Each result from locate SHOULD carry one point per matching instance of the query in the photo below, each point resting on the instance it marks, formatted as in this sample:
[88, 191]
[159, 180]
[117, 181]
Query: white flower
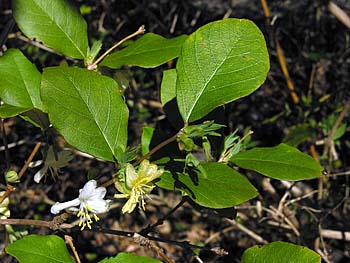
[52, 164]
[137, 185]
[90, 202]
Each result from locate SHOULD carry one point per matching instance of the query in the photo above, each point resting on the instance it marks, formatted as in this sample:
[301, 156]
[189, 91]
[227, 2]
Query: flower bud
[4, 210]
[11, 177]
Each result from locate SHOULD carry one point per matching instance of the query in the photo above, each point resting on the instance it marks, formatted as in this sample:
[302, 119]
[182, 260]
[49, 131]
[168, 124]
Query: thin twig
[183, 244]
[339, 14]
[249, 232]
[283, 64]
[160, 221]
[37, 44]
[265, 9]
[300, 198]
[144, 241]
[311, 83]
[286, 219]
[9, 190]
[140, 31]
[334, 234]
[69, 241]
[335, 127]
[158, 147]
[31, 156]
[7, 153]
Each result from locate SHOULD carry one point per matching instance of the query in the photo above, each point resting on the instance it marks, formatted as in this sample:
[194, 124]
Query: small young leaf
[87, 109]
[281, 252]
[282, 162]
[20, 81]
[147, 134]
[219, 187]
[149, 51]
[43, 249]
[93, 52]
[340, 131]
[220, 62]
[168, 86]
[56, 23]
[129, 258]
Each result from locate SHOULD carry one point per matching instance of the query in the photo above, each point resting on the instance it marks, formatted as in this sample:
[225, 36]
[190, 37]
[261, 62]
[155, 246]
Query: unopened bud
[12, 177]
[4, 210]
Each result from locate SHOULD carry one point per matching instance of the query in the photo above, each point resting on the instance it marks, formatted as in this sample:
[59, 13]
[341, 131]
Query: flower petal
[131, 175]
[99, 206]
[58, 207]
[88, 190]
[40, 174]
[100, 192]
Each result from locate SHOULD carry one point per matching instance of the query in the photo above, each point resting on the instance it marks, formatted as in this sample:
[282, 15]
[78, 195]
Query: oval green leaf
[148, 51]
[87, 109]
[20, 82]
[281, 252]
[220, 62]
[56, 23]
[219, 187]
[168, 86]
[282, 162]
[43, 249]
[129, 258]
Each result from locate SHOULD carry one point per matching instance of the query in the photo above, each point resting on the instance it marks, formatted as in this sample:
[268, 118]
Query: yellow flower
[137, 185]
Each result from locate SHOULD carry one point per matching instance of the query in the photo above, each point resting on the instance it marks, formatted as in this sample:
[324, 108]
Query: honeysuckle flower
[137, 185]
[51, 164]
[90, 202]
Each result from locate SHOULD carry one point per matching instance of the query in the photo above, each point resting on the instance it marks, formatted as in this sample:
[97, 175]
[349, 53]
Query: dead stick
[69, 241]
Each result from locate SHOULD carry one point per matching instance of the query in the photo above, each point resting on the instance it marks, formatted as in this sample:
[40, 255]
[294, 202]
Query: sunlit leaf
[282, 162]
[220, 62]
[148, 51]
[87, 109]
[281, 252]
[43, 249]
[56, 23]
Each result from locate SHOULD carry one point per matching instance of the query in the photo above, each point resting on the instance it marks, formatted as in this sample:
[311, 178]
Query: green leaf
[297, 135]
[281, 162]
[37, 118]
[148, 51]
[129, 258]
[281, 252]
[87, 109]
[20, 81]
[219, 63]
[168, 86]
[219, 187]
[340, 131]
[147, 134]
[56, 23]
[43, 249]
[7, 111]
[93, 52]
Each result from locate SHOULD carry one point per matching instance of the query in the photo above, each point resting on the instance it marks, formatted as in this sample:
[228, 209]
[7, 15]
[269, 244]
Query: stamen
[96, 217]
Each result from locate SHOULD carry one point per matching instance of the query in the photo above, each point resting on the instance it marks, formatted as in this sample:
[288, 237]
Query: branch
[158, 147]
[160, 221]
[140, 31]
